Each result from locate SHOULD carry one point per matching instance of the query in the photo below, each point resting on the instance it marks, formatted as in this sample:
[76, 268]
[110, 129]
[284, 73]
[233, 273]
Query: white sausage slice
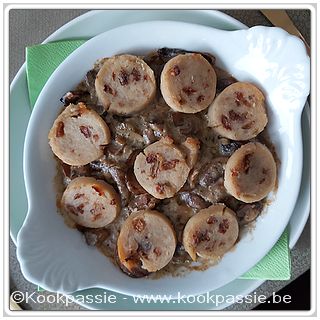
[162, 169]
[188, 83]
[91, 203]
[78, 135]
[125, 84]
[239, 112]
[250, 172]
[146, 240]
[211, 232]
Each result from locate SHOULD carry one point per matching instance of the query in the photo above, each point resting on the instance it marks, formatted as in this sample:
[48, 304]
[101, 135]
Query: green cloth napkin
[276, 265]
[43, 59]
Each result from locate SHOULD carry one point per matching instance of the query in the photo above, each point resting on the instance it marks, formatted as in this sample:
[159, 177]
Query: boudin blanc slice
[250, 172]
[91, 203]
[78, 135]
[211, 232]
[188, 83]
[238, 112]
[125, 84]
[162, 168]
[146, 241]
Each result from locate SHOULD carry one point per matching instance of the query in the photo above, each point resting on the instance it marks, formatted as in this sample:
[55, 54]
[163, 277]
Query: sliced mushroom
[191, 147]
[187, 124]
[239, 112]
[108, 170]
[211, 232]
[78, 135]
[161, 169]
[214, 193]
[224, 79]
[249, 212]
[142, 202]
[91, 203]
[227, 147]
[95, 237]
[212, 171]
[125, 84]
[188, 83]
[208, 182]
[141, 243]
[135, 270]
[193, 200]
[132, 184]
[164, 54]
[250, 172]
[74, 97]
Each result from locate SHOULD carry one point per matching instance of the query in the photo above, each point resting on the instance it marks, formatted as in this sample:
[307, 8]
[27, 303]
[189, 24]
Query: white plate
[259, 55]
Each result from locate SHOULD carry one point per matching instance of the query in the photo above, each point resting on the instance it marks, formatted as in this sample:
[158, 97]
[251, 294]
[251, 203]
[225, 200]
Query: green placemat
[276, 265]
[42, 60]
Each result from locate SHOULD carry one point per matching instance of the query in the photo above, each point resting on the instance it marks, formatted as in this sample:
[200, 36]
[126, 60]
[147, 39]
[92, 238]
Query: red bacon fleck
[226, 122]
[234, 173]
[60, 129]
[78, 196]
[240, 99]
[235, 116]
[212, 220]
[189, 91]
[160, 188]
[123, 77]
[136, 74]
[98, 190]
[151, 158]
[75, 210]
[157, 251]
[200, 98]
[85, 131]
[139, 224]
[168, 165]
[200, 236]
[246, 162]
[175, 71]
[108, 89]
[223, 226]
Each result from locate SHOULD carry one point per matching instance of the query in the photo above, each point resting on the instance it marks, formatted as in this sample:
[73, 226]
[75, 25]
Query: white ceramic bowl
[57, 258]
